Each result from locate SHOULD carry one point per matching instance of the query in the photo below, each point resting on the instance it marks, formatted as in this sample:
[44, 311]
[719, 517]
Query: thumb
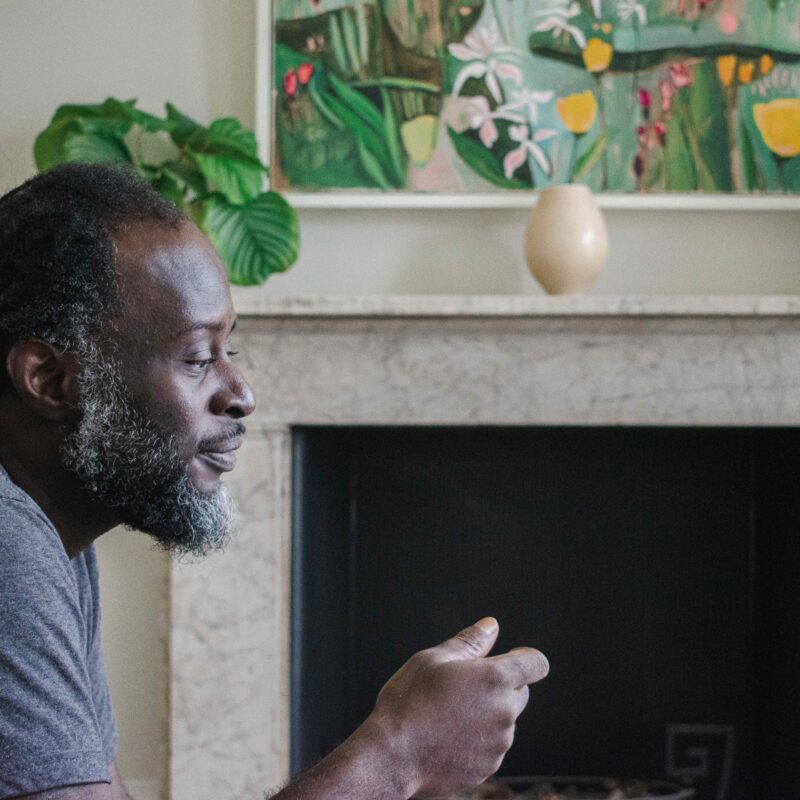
[473, 642]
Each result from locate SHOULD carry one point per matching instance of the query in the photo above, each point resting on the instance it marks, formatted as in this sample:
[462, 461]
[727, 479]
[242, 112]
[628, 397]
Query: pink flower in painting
[304, 73]
[645, 98]
[290, 83]
[667, 91]
[527, 146]
[481, 118]
[530, 100]
[680, 75]
[728, 22]
[661, 131]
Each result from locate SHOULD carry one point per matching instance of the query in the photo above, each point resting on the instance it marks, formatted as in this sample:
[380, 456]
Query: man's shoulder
[28, 541]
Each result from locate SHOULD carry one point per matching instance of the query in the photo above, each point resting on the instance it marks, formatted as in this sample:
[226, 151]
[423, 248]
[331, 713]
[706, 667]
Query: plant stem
[601, 107]
[573, 157]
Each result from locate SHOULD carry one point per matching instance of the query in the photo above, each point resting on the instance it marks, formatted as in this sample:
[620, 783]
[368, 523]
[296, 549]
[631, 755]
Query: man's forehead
[172, 279]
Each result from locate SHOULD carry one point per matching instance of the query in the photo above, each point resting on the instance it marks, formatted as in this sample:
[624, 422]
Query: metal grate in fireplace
[657, 568]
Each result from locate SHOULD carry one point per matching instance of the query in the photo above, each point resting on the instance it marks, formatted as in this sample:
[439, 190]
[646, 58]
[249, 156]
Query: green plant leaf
[48, 149]
[357, 103]
[107, 117]
[372, 166]
[91, 148]
[254, 240]
[228, 133]
[587, 161]
[482, 162]
[318, 99]
[226, 154]
[92, 132]
[188, 173]
[168, 187]
[371, 140]
[238, 180]
[392, 133]
[126, 109]
[183, 127]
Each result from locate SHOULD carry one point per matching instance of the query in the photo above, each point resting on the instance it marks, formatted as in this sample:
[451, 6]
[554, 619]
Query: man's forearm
[368, 766]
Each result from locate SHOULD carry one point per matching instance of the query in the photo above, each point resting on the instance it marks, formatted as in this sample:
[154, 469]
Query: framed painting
[667, 103]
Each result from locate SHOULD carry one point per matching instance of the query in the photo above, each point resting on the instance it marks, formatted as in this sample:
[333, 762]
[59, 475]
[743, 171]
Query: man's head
[115, 318]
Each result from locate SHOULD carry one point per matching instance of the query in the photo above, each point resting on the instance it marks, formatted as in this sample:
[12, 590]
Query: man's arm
[118, 790]
[442, 723]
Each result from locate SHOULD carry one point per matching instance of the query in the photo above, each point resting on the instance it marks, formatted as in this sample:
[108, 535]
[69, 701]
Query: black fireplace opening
[658, 569]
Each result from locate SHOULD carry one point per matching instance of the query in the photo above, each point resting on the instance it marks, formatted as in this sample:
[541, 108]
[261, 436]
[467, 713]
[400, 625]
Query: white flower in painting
[628, 8]
[527, 146]
[597, 8]
[489, 59]
[558, 23]
[481, 118]
[529, 100]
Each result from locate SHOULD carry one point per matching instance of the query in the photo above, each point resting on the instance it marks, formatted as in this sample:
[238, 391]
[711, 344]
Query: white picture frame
[372, 199]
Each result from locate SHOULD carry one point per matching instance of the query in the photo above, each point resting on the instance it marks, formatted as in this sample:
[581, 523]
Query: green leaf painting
[628, 96]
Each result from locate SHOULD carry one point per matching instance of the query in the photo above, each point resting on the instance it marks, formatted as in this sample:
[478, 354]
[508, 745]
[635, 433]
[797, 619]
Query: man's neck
[75, 515]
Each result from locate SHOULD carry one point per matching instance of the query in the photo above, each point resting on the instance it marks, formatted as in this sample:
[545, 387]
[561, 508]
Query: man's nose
[235, 398]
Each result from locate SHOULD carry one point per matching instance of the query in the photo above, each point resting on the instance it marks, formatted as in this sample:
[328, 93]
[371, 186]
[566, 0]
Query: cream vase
[566, 242]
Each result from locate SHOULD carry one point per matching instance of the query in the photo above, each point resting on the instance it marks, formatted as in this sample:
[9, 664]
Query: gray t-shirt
[56, 723]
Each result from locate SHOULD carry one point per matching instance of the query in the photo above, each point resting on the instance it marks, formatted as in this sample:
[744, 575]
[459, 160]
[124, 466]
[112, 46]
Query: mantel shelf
[256, 303]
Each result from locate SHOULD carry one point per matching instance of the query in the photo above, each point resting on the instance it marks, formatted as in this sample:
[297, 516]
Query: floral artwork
[472, 96]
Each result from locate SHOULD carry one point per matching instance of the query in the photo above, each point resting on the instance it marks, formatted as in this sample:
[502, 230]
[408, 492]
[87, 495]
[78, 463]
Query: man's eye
[200, 363]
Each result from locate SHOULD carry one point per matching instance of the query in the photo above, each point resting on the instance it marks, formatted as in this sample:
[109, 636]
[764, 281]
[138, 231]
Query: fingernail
[488, 625]
[546, 664]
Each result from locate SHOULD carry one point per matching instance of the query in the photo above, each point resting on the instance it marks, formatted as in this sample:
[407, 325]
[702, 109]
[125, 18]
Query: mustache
[236, 432]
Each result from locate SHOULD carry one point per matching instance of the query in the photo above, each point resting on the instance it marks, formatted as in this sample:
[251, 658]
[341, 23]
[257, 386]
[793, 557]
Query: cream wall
[200, 55]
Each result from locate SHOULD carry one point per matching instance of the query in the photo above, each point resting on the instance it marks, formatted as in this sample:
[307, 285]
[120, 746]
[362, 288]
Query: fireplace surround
[524, 363]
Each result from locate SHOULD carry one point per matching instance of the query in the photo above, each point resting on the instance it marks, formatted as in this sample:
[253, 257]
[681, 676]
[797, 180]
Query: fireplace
[614, 479]
[657, 568]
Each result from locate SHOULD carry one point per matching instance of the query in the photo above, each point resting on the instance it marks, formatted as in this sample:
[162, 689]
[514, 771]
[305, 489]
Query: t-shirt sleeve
[49, 731]
[104, 712]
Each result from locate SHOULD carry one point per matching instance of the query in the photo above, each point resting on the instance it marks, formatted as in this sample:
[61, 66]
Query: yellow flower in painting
[779, 124]
[726, 68]
[578, 111]
[419, 138]
[745, 72]
[766, 63]
[597, 55]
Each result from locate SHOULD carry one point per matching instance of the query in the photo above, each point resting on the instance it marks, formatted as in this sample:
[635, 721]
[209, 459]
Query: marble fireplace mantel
[491, 360]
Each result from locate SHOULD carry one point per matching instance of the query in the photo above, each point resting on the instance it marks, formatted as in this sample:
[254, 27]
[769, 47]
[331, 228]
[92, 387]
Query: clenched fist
[451, 712]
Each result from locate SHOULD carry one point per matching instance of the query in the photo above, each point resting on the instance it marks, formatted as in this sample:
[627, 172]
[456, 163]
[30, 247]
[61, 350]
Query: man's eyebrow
[205, 326]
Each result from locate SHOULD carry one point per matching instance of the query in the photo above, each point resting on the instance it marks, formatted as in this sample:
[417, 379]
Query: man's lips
[222, 457]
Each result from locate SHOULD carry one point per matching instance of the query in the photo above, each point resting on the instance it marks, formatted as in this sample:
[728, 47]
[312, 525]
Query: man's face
[161, 398]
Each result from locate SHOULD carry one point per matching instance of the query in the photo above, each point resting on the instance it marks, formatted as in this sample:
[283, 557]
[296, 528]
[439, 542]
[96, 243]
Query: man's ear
[44, 377]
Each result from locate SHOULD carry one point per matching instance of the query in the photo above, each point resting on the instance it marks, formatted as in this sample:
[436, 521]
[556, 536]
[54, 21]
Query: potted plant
[212, 173]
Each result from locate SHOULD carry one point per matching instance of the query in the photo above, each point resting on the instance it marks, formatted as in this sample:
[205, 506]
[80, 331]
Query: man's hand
[442, 723]
[450, 712]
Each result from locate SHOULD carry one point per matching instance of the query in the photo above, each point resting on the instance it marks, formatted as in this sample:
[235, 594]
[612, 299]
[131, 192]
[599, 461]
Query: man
[121, 403]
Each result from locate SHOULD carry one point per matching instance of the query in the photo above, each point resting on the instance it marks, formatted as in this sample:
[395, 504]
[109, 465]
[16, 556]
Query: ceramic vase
[566, 242]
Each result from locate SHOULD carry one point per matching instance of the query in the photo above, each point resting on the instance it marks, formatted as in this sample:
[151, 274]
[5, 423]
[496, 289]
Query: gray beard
[132, 466]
